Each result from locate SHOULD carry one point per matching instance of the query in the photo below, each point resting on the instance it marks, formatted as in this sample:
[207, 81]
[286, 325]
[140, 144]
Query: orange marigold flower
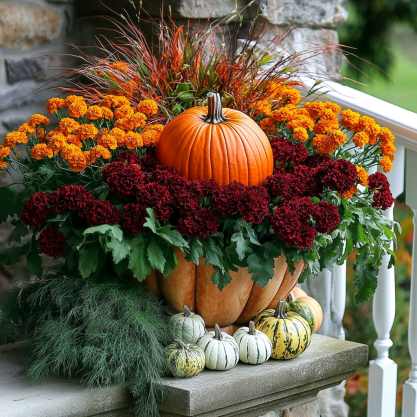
[41, 150]
[3, 164]
[125, 124]
[27, 128]
[386, 164]
[325, 125]
[108, 141]
[94, 113]
[77, 162]
[89, 157]
[54, 104]
[14, 137]
[323, 144]
[273, 88]
[108, 101]
[68, 125]
[261, 107]
[72, 99]
[373, 131]
[386, 135]
[267, 125]
[39, 119]
[150, 137]
[300, 134]
[283, 114]
[100, 152]
[4, 151]
[333, 107]
[365, 122]
[123, 112]
[388, 148]
[349, 119]
[289, 94]
[314, 108]
[87, 131]
[40, 134]
[107, 113]
[120, 101]
[156, 126]
[75, 140]
[148, 107]
[362, 176]
[77, 109]
[57, 141]
[139, 120]
[338, 137]
[133, 140]
[119, 134]
[349, 193]
[360, 139]
[301, 121]
[129, 87]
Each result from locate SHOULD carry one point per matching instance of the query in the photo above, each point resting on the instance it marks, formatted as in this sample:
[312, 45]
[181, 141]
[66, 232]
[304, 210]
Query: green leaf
[87, 263]
[348, 251]
[7, 198]
[151, 221]
[139, 263]
[172, 236]
[44, 169]
[221, 278]
[304, 275]
[213, 254]
[262, 269]
[119, 250]
[12, 255]
[271, 250]
[156, 256]
[121, 267]
[19, 231]
[242, 245]
[252, 235]
[183, 87]
[171, 261]
[196, 250]
[104, 229]
[33, 258]
[365, 281]
[136, 241]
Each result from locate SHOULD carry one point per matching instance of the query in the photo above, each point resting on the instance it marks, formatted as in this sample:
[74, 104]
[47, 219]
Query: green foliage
[100, 329]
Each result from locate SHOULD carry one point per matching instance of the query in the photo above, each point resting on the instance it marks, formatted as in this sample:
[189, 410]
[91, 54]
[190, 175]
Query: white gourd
[221, 350]
[254, 346]
[187, 326]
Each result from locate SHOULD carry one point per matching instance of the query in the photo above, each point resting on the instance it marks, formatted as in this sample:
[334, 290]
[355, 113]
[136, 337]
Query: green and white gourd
[221, 350]
[254, 346]
[187, 326]
[185, 360]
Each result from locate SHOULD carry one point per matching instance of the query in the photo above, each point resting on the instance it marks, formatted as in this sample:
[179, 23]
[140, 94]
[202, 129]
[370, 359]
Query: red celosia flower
[226, 200]
[101, 212]
[51, 241]
[326, 217]
[122, 179]
[69, 197]
[299, 153]
[253, 207]
[201, 223]
[304, 208]
[378, 181]
[148, 163]
[35, 211]
[190, 194]
[159, 198]
[382, 194]
[129, 157]
[281, 149]
[317, 159]
[134, 216]
[339, 175]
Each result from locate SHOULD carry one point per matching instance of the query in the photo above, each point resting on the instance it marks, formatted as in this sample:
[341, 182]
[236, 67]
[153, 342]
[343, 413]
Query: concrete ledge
[243, 391]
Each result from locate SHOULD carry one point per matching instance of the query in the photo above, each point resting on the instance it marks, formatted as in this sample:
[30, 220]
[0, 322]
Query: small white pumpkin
[221, 350]
[187, 326]
[254, 346]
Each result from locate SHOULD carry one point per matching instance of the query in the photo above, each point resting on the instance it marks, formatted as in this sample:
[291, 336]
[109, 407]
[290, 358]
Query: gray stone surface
[21, 69]
[286, 388]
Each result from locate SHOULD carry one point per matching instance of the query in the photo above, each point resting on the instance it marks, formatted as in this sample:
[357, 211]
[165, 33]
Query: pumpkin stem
[217, 332]
[252, 329]
[291, 297]
[180, 343]
[215, 109]
[280, 310]
[187, 311]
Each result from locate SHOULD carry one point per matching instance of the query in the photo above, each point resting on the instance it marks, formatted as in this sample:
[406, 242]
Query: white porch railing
[383, 371]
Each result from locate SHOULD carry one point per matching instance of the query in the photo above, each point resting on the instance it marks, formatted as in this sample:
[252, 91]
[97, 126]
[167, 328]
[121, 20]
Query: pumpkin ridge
[227, 154]
[194, 140]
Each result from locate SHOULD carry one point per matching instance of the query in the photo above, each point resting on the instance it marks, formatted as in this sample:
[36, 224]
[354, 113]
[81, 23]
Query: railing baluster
[410, 387]
[339, 293]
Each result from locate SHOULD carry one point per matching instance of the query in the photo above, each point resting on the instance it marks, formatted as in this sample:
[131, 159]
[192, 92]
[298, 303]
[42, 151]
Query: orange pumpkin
[239, 302]
[211, 142]
[301, 295]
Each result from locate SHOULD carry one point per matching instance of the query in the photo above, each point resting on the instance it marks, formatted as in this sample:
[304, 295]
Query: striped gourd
[304, 310]
[187, 326]
[289, 333]
[254, 346]
[221, 350]
[185, 360]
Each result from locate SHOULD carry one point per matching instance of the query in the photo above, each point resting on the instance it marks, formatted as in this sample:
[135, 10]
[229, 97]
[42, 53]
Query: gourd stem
[180, 343]
[252, 329]
[215, 109]
[187, 311]
[280, 310]
[217, 332]
[291, 297]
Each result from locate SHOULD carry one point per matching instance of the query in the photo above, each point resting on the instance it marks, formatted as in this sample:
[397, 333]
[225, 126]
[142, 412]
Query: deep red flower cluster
[129, 157]
[51, 241]
[157, 197]
[226, 199]
[190, 194]
[69, 197]
[123, 179]
[253, 206]
[134, 217]
[201, 223]
[35, 211]
[382, 194]
[326, 217]
[285, 151]
[101, 212]
[339, 175]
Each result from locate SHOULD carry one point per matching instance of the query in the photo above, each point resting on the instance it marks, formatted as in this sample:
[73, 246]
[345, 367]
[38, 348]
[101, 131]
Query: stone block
[24, 25]
[25, 68]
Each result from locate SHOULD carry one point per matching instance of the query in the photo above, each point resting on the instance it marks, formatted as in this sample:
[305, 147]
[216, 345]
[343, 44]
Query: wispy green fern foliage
[102, 330]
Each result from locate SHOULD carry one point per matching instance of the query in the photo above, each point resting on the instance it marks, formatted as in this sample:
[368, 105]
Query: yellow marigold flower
[40, 135]
[77, 162]
[27, 128]
[87, 131]
[333, 107]
[119, 134]
[158, 127]
[38, 119]
[386, 135]
[68, 125]
[139, 120]
[300, 134]
[107, 113]
[350, 193]
[124, 112]
[3, 164]
[150, 137]
[94, 113]
[14, 137]
[57, 142]
[54, 104]
[75, 140]
[362, 176]
[386, 164]
[267, 125]
[301, 121]
[360, 139]
[41, 150]
[315, 109]
[325, 125]
[261, 107]
[388, 148]
[108, 141]
[289, 94]
[338, 137]
[283, 114]
[323, 144]
[100, 152]
[133, 140]
[77, 108]
[72, 99]
[89, 157]
[4, 151]
[350, 119]
[148, 107]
